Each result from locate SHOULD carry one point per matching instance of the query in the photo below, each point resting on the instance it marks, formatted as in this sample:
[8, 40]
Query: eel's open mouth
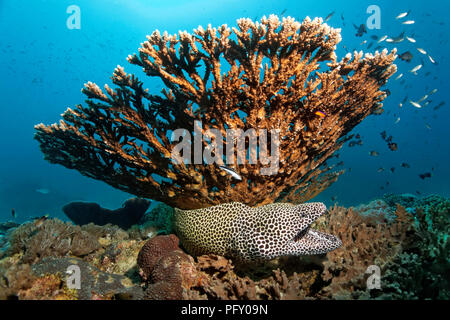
[310, 241]
[301, 234]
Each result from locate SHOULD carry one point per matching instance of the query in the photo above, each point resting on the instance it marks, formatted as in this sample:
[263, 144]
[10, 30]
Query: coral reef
[261, 75]
[153, 250]
[410, 250]
[172, 274]
[158, 221]
[52, 238]
[422, 270]
[5, 226]
[95, 283]
[82, 213]
[367, 240]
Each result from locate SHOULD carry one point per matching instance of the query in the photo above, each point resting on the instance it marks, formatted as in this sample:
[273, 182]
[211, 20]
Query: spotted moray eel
[246, 233]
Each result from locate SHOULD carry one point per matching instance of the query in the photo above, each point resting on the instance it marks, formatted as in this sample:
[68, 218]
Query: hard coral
[153, 250]
[422, 270]
[272, 82]
[367, 240]
[173, 274]
[52, 238]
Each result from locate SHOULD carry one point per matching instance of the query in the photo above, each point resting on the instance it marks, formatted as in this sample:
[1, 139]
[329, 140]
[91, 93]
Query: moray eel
[238, 231]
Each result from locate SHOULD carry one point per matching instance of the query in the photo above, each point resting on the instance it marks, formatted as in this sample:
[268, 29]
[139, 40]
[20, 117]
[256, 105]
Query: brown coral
[367, 240]
[153, 250]
[270, 81]
[52, 238]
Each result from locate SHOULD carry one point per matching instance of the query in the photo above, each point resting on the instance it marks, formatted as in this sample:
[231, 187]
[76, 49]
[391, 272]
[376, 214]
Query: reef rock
[94, 284]
[83, 213]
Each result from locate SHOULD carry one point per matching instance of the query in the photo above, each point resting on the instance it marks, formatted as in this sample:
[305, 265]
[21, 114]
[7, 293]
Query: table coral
[263, 75]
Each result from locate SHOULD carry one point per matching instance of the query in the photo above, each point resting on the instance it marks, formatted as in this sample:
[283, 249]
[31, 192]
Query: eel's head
[284, 229]
[305, 240]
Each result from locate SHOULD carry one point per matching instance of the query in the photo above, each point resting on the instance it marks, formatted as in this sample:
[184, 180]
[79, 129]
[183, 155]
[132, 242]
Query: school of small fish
[408, 38]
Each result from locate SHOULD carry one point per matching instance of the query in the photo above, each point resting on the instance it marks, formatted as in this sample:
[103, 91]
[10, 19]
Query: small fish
[231, 172]
[400, 105]
[415, 104]
[411, 39]
[333, 198]
[365, 41]
[422, 99]
[393, 146]
[392, 169]
[416, 68]
[408, 22]
[406, 56]
[399, 76]
[282, 12]
[439, 105]
[374, 153]
[425, 175]
[402, 15]
[398, 38]
[13, 213]
[427, 126]
[421, 51]
[320, 114]
[374, 37]
[43, 191]
[382, 38]
[405, 165]
[361, 30]
[431, 59]
[397, 121]
[381, 169]
[389, 40]
[39, 221]
[433, 91]
[328, 17]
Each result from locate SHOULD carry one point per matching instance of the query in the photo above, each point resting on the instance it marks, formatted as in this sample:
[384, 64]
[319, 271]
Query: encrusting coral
[263, 75]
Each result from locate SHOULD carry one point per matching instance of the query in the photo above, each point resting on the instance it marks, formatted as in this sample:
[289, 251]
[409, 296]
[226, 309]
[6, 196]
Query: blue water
[44, 66]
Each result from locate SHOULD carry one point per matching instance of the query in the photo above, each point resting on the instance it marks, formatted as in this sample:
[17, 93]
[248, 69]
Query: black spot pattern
[238, 231]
